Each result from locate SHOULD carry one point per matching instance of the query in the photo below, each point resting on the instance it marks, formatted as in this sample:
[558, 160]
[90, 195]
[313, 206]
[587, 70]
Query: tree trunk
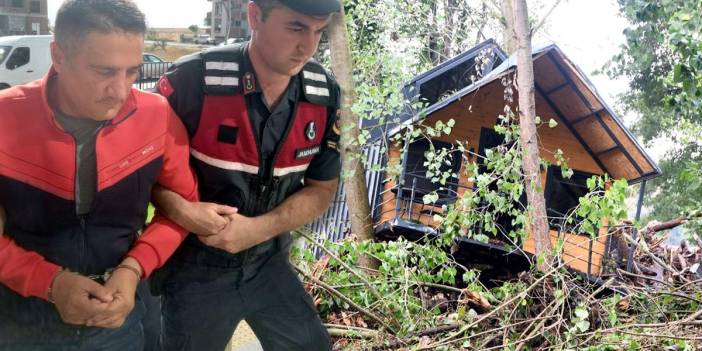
[479, 36]
[434, 34]
[509, 38]
[537, 226]
[450, 7]
[356, 191]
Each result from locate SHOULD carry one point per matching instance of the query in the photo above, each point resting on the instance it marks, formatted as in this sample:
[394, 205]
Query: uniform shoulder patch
[165, 87]
[221, 70]
[317, 85]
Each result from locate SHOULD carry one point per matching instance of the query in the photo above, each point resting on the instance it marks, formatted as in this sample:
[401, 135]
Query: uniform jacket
[208, 91]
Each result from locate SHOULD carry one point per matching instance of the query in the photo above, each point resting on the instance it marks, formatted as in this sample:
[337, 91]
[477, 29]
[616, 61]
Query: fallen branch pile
[655, 305]
[648, 260]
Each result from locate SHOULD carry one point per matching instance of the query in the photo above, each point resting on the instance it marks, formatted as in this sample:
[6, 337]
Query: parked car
[154, 67]
[203, 39]
[23, 58]
[231, 41]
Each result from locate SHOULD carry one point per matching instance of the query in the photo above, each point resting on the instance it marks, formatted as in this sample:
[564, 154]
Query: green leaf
[582, 326]
[581, 312]
[430, 198]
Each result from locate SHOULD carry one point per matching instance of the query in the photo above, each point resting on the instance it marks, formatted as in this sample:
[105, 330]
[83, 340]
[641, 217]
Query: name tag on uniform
[307, 152]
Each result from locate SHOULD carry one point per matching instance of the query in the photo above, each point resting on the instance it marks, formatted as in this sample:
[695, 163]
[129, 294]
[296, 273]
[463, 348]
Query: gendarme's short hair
[78, 18]
[308, 7]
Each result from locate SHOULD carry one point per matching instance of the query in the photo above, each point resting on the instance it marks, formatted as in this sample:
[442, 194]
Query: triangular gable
[575, 101]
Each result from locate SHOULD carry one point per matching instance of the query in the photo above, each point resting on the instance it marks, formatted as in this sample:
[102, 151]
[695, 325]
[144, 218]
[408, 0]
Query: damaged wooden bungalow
[593, 139]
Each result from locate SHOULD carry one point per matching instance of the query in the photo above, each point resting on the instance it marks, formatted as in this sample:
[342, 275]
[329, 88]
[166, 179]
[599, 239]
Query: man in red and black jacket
[262, 121]
[80, 151]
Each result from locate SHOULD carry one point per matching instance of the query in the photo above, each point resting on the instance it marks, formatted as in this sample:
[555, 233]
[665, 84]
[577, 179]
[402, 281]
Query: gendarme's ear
[254, 15]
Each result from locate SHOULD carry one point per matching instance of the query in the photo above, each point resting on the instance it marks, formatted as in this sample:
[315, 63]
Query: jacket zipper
[266, 176]
[270, 180]
[83, 218]
[278, 147]
[80, 217]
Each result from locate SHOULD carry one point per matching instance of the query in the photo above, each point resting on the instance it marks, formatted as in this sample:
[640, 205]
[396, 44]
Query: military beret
[312, 7]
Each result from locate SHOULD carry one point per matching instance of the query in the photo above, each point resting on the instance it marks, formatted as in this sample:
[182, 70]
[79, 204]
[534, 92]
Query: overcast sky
[161, 13]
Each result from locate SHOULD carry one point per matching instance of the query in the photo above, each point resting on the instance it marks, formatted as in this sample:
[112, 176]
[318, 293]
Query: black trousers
[207, 293]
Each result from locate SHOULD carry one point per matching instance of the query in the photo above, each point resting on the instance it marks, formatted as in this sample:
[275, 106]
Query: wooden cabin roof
[450, 76]
[569, 94]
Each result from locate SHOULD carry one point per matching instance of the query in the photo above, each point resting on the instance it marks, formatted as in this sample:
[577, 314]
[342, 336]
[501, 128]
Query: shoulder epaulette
[318, 86]
[221, 70]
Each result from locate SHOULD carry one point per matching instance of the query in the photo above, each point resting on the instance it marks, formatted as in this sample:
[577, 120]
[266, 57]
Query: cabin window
[562, 194]
[416, 178]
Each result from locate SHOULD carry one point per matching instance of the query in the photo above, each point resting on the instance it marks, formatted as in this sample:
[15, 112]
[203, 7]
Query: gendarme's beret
[313, 7]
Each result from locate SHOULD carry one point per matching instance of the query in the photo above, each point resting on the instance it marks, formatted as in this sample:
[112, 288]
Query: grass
[150, 213]
[172, 53]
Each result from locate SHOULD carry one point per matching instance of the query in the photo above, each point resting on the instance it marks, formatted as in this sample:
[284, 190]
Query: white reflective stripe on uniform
[222, 66]
[314, 76]
[228, 165]
[316, 90]
[212, 80]
[279, 172]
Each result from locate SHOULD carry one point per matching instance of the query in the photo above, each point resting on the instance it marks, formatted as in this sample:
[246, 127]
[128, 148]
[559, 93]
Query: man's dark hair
[78, 18]
[266, 7]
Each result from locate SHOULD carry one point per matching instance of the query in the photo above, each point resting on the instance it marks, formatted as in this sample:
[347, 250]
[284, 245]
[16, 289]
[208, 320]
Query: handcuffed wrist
[50, 291]
[134, 270]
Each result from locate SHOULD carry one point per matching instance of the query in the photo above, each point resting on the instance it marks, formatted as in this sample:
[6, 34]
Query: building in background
[228, 19]
[23, 17]
[182, 35]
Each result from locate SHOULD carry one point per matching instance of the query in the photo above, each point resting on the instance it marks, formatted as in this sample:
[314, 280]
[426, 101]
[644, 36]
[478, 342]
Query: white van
[23, 59]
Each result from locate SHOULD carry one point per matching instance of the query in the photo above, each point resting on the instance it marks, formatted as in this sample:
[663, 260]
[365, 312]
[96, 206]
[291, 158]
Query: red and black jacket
[207, 90]
[144, 144]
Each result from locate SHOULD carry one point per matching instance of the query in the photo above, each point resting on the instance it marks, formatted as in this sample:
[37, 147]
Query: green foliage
[579, 322]
[405, 268]
[599, 207]
[662, 60]
[497, 189]
[681, 191]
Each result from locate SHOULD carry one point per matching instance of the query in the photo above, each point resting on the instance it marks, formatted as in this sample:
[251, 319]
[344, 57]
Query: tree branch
[352, 271]
[343, 297]
[543, 20]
